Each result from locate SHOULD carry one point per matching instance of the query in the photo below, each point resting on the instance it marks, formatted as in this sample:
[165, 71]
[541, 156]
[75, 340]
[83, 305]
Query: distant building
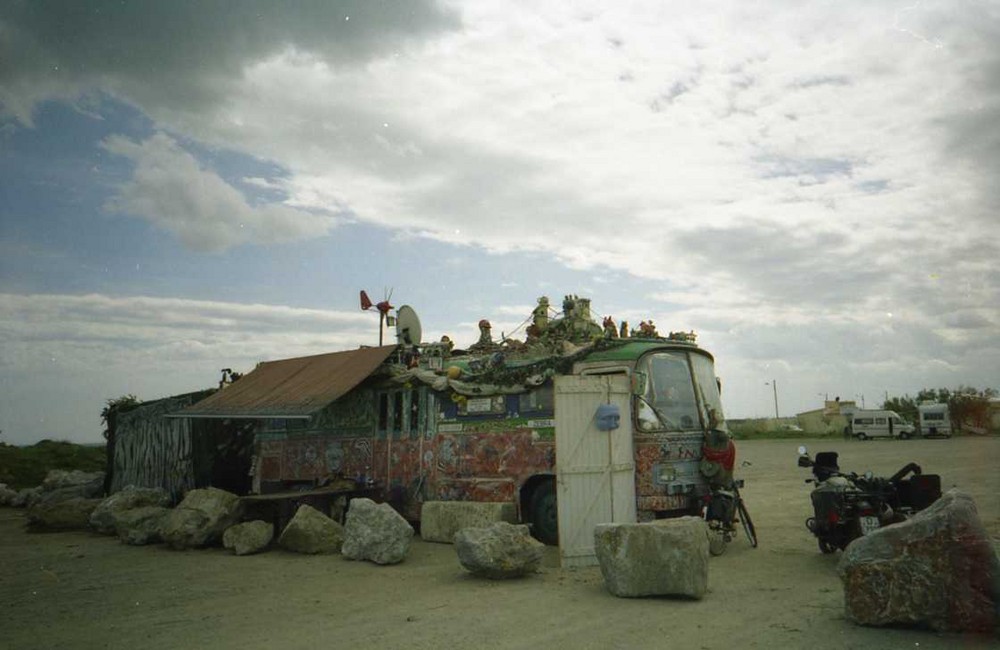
[831, 419]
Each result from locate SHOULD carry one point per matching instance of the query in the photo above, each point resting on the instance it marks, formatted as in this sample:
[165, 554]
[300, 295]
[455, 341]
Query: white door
[595, 470]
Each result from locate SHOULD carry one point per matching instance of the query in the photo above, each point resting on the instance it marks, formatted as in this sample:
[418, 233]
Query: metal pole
[774, 385]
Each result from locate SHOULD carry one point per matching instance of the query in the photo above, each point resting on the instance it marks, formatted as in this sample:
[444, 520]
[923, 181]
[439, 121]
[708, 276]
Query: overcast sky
[192, 185]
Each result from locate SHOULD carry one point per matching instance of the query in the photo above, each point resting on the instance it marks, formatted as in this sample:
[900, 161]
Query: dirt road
[78, 590]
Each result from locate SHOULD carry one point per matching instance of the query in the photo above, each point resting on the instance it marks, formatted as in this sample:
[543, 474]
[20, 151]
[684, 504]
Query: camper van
[934, 420]
[866, 424]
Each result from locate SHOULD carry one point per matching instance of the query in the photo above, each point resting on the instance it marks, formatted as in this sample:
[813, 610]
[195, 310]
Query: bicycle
[721, 510]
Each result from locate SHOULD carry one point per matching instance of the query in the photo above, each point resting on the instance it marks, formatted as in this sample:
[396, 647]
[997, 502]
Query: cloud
[808, 168]
[83, 350]
[195, 50]
[171, 190]
[93, 331]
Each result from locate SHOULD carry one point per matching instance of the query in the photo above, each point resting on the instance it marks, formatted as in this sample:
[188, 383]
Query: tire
[717, 543]
[748, 526]
[826, 548]
[862, 437]
[904, 436]
[544, 513]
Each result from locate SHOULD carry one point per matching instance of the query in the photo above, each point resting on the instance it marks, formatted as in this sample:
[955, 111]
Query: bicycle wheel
[748, 527]
[716, 542]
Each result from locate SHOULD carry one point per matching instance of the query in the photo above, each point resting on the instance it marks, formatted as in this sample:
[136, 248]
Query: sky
[193, 185]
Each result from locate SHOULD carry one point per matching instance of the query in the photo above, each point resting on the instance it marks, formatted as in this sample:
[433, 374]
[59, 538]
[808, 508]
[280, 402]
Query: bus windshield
[669, 402]
[708, 391]
[681, 393]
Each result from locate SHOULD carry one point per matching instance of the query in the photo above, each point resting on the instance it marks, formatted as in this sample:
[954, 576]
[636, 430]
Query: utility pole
[774, 385]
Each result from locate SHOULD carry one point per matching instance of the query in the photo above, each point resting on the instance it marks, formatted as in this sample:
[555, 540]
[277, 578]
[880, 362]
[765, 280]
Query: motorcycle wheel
[826, 548]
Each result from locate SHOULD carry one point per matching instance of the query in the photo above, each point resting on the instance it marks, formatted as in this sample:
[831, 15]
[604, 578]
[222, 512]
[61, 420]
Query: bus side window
[415, 423]
[383, 413]
[397, 415]
[541, 399]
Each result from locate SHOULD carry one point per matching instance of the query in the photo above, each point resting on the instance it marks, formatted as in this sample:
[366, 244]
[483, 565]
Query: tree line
[966, 405]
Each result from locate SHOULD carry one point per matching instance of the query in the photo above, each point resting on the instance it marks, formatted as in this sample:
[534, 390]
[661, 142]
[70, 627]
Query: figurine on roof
[539, 321]
[647, 330]
[540, 314]
[610, 331]
[485, 342]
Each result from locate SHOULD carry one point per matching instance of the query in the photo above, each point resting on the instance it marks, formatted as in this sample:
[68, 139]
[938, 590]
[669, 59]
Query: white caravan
[867, 424]
[934, 420]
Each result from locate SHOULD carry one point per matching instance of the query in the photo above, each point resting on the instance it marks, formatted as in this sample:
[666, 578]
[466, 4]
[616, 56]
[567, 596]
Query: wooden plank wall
[153, 451]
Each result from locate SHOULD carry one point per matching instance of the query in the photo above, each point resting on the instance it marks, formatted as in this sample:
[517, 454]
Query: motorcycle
[847, 506]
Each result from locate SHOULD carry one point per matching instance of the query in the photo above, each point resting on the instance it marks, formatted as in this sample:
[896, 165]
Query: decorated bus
[610, 423]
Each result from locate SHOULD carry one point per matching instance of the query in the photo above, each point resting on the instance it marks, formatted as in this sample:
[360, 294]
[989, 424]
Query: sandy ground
[80, 590]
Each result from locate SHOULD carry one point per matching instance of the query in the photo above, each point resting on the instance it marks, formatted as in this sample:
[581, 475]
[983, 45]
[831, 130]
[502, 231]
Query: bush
[24, 467]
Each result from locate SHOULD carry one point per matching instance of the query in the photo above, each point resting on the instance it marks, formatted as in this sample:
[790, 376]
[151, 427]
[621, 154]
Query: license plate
[869, 524]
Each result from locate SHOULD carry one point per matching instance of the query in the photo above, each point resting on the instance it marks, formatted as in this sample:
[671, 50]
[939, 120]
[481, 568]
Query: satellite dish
[407, 326]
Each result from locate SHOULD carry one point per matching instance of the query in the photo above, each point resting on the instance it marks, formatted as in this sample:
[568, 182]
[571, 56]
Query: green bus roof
[634, 349]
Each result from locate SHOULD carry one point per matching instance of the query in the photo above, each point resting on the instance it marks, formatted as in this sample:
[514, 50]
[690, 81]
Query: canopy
[290, 388]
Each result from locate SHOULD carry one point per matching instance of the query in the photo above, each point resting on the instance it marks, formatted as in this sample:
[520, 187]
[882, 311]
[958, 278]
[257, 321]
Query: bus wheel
[862, 437]
[543, 513]
[904, 436]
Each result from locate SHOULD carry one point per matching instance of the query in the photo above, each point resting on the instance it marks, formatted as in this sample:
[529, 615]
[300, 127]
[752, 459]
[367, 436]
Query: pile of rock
[115, 515]
[7, 495]
[201, 518]
[206, 517]
[64, 500]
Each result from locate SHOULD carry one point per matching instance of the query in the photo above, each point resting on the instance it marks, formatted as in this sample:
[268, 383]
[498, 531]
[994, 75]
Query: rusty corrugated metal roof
[290, 388]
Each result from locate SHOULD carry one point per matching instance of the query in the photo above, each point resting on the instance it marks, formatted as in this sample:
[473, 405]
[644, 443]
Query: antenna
[383, 309]
[408, 330]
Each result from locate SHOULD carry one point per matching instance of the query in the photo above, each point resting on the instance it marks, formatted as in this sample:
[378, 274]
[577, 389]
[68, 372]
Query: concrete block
[440, 520]
[664, 558]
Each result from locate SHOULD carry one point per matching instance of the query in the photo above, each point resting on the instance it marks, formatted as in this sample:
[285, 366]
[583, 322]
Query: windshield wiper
[664, 420]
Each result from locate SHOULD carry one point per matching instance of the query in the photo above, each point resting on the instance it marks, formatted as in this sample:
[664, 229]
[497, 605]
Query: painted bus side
[422, 444]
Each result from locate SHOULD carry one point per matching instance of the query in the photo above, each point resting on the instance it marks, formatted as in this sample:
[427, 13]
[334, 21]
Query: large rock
[937, 569]
[500, 550]
[376, 532]
[440, 520]
[90, 484]
[65, 485]
[66, 514]
[103, 519]
[27, 497]
[201, 518]
[249, 537]
[139, 526]
[310, 531]
[663, 558]
[7, 495]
